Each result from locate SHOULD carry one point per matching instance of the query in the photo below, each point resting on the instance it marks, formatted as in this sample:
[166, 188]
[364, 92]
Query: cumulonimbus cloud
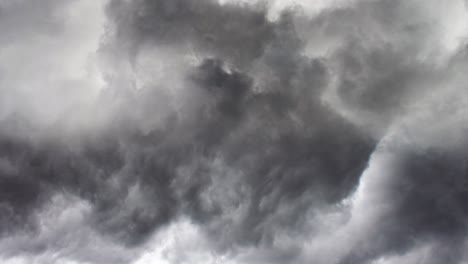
[183, 131]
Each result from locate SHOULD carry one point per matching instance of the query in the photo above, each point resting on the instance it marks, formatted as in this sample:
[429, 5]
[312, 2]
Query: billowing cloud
[183, 131]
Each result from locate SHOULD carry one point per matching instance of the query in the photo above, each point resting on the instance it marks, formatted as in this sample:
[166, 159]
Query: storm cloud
[205, 131]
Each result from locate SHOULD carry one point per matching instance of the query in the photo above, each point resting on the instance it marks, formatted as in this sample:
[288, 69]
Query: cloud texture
[204, 131]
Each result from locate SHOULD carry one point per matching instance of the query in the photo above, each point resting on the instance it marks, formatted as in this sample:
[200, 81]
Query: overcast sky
[233, 132]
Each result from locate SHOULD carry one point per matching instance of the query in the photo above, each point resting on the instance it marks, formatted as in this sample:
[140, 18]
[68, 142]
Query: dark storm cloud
[205, 26]
[424, 193]
[261, 133]
[151, 161]
[274, 150]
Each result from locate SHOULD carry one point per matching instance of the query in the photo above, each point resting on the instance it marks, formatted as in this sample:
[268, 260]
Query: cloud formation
[183, 131]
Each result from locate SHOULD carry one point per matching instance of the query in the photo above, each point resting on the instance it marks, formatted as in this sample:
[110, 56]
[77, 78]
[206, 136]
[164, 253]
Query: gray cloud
[327, 137]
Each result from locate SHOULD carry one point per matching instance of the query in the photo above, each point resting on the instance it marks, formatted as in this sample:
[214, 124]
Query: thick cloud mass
[204, 131]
